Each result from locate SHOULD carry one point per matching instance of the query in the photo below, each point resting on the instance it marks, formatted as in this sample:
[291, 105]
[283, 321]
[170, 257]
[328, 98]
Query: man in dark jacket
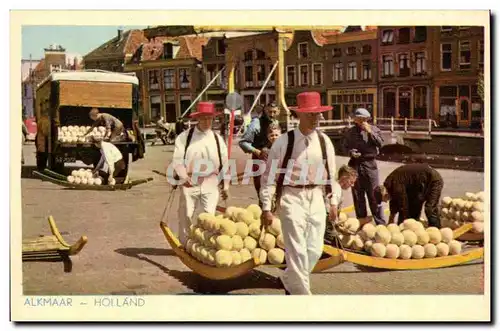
[362, 141]
[407, 188]
[254, 140]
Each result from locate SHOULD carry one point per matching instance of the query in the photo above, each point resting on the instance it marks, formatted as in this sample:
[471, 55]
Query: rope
[169, 203]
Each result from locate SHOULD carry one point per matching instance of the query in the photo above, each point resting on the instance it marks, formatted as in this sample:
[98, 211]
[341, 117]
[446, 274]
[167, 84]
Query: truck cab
[65, 98]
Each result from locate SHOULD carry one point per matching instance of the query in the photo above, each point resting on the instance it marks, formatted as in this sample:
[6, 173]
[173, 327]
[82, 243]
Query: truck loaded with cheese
[64, 101]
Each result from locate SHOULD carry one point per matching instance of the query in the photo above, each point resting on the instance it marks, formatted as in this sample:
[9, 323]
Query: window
[420, 65]
[352, 71]
[420, 34]
[480, 47]
[351, 51]
[464, 47]
[303, 75]
[446, 29]
[446, 57]
[317, 74]
[367, 49]
[185, 77]
[154, 80]
[303, 51]
[337, 52]
[210, 72]
[55, 67]
[169, 78]
[367, 70]
[248, 56]
[404, 65]
[272, 80]
[388, 66]
[155, 106]
[248, 76]
[221, 47]
[338, 72]
[387, 37]
[290, 76]
[260, 55]
[261, 73]
[168, 51]
[185, 103]
[404, 35]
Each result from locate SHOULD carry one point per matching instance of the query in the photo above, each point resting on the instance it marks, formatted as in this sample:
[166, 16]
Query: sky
[77, 40]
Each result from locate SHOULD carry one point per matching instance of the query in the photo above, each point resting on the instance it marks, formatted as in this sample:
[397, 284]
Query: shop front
[407, 101]
[459, 106]
[346, 101]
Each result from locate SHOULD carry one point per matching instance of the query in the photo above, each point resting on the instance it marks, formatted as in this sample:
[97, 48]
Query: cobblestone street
[128, 254]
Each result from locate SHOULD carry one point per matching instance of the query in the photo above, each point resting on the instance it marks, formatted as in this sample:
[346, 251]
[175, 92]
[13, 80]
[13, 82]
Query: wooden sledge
[49, 247]
[60, 180]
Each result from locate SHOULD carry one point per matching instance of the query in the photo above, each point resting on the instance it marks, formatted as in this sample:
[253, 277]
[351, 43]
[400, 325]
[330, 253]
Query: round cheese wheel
[383, 236]
[446, 235]
[410, 237]
[455, 247]
[70, 179]
[250, 243]
[397, 239]
[430, 250]
[227, 227]
[405, 252]
[280, 242]
[368, 245]
[254, 230]
[276, 256]
[245, 255]
[368, 231]
[417, 252]
[244, 216]
[434, 235]
[422, 237]
[236, 258]
[357, 243]
[237, 242]
[267, 241]
[224, 242]
[242, 229]
[259, 255]
[255, 210]
[223, 258]
[478, 227]
[275, 227]
[442, 249]
[446, 201]
[392, 251]
[378, 250]
[393, 228]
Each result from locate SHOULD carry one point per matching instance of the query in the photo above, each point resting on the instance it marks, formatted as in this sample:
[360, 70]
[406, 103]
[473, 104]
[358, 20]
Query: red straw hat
[205, 108]
[309, 102]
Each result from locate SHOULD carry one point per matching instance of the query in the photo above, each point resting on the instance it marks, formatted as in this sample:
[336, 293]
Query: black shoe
[283, 286]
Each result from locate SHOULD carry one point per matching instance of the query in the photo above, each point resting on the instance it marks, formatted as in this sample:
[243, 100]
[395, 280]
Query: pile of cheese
[467, 209]
[74, 134]
[235, 237]
[409, 240]
[84, 177]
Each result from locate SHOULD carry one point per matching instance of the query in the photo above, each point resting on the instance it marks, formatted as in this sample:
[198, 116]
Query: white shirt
[336, 196]
[308, 167]
[202, 147]
[109, 154]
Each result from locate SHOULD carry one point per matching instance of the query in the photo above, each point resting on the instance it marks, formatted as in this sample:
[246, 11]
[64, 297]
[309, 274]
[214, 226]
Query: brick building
[405, 71]
[351, 70]
[170, 75]
[55, 58]
[459, 53]
[214, 60]
[112, 55]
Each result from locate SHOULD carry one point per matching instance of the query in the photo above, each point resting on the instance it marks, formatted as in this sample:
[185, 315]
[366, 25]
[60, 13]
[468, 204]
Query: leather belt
[308, 186]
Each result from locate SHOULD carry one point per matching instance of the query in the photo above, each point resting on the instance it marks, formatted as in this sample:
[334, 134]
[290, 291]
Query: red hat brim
[318, 109]
[196, 114]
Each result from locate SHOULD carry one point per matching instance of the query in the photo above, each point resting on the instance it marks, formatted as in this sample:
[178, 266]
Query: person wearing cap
[114, 127]
[407, 188]
[200, 182]
[254, 140]
[111, 162]
[299, 197]
[362, 142]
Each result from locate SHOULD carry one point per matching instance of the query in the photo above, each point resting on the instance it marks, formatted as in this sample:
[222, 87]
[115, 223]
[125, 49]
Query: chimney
[120, 32]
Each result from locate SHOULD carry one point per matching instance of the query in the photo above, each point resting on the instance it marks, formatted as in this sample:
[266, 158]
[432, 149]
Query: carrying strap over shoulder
[328, 187]
[188, 141]
[281, 177]
[218, 150]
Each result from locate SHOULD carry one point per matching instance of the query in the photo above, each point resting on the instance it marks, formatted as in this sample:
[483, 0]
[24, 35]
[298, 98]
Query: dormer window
[221, 47]
[168, 51]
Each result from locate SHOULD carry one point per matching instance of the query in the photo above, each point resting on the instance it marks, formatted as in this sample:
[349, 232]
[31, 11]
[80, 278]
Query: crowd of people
[308, 198]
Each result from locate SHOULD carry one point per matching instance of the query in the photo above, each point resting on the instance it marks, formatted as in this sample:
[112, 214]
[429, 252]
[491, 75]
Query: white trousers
[303, 220]
[206, 194]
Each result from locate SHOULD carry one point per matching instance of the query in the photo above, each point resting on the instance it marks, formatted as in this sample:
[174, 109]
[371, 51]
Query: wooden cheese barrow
[335, 257]
[52, 247]
[58, 179]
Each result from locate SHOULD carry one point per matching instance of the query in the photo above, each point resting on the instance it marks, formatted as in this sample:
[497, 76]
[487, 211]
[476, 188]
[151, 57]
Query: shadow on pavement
[200, 285]
[135, 251]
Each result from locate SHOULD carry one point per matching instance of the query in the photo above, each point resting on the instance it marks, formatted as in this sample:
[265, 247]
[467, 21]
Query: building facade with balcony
[350, 61]
[214, 60]
[405, 60]
[170, 75]
[459, 53]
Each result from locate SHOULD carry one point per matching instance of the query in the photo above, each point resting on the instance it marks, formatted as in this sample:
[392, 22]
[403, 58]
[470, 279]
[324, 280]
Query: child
[273, 133]
[346, 178]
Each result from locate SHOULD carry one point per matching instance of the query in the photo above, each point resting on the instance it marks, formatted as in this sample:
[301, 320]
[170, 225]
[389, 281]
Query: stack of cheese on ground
[84, 177]
[409, 240]
[467, 209]
[74, 134]
[234, 237]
